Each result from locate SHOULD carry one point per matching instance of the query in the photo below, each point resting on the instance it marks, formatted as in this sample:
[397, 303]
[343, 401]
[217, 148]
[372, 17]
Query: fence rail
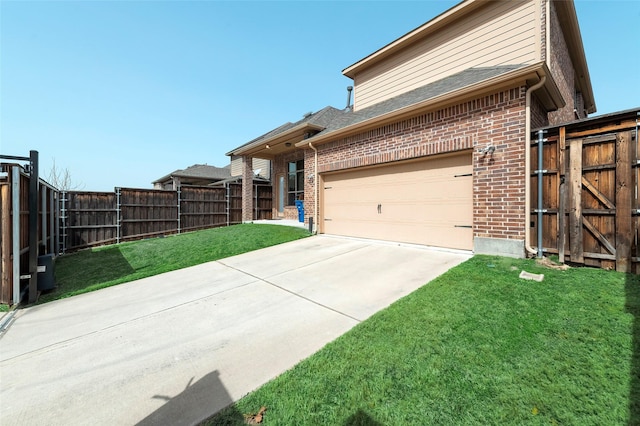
[90, 219]
[590, 209]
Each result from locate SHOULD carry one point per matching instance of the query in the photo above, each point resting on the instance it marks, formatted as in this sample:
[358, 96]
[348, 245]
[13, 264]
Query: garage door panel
[427, 202]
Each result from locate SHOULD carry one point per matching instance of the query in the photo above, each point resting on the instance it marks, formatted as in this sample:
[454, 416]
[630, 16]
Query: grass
[106, 266]
[477, 345]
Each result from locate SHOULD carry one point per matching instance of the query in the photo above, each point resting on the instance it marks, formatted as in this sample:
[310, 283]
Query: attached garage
[427, 202]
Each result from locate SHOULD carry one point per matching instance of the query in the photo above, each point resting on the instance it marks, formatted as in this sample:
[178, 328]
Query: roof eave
[263, 147]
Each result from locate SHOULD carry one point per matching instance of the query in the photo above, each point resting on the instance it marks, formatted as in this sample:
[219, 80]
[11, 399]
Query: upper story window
[295, 189]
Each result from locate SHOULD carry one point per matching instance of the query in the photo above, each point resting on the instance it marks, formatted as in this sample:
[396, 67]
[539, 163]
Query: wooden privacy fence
[97, 218]
[16, 195]
[590, 210]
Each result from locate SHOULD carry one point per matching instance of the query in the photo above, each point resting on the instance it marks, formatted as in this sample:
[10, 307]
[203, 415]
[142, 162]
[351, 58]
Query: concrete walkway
[178, 347]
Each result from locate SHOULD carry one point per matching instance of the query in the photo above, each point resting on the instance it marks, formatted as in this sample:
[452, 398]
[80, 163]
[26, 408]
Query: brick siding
[562, 70]
[498, 180]
[247, 189]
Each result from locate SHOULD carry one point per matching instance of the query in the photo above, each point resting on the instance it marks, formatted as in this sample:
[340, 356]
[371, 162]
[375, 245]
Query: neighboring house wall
[258, 163]
[499, 33]
[496, 119]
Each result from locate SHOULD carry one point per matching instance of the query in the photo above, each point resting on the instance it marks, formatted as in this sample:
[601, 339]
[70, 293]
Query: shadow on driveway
[196, 401]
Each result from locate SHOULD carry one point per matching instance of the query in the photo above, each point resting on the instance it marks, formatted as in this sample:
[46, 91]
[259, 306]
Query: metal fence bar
[64, 216]
[179, 202]
[43, 216]
[34, 182]
[228, 187]
[15, 211]
[118, 218]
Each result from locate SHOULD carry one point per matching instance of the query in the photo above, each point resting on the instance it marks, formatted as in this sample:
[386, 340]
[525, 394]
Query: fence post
[43, 217]
[227, 187]
[33, 225]
[52, 222]
[62, 238]
[179, 212]
[5, 242]
[118, 218]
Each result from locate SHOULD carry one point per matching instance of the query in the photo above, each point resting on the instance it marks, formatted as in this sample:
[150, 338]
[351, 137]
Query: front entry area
[428, 202]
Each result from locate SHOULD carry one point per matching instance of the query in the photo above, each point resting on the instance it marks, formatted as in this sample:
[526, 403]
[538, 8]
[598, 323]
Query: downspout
[527, 165]
[315, 187]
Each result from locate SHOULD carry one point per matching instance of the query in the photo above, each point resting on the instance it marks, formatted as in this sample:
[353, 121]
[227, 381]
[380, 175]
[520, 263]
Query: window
[296, 182]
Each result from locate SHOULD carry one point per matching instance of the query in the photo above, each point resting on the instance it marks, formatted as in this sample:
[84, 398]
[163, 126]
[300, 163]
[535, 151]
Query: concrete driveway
[178, 347]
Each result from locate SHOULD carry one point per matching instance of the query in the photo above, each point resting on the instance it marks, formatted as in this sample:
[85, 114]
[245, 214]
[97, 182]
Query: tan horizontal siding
[258, 163]
[236, 166]
[264, 166]
[500, 33]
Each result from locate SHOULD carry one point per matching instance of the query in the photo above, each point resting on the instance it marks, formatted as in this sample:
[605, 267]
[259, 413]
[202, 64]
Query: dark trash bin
[300, 206]
[45, 273]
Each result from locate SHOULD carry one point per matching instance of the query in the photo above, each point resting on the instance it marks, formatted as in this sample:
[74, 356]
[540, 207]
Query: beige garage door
[425, 202]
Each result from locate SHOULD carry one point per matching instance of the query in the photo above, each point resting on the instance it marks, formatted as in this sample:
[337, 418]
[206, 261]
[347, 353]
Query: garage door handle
[379, 208]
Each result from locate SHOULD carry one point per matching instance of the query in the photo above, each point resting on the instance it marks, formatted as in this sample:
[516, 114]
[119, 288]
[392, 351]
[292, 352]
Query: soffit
[280, 143]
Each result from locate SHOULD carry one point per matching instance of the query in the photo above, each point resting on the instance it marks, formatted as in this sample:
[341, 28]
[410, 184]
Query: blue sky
[120, 93]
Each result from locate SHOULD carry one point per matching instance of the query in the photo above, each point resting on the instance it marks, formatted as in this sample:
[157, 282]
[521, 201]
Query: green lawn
[477, 346]
[106, 266]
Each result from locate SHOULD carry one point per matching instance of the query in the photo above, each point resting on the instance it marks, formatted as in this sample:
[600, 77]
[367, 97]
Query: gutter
[527, 165]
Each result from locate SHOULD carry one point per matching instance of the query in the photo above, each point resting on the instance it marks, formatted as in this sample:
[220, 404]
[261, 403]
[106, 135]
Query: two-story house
[433, 150]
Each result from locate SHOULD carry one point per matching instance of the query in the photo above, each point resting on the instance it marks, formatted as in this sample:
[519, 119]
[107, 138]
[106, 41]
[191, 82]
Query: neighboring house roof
[199, 171]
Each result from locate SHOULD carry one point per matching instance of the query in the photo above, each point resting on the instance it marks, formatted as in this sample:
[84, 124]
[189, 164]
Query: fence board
[6, 277]
[623, 202]
[575, 189]
[99, 218]
[562, 190]
[90, 219]
[147, 212]
[596, 172]
[202, 207]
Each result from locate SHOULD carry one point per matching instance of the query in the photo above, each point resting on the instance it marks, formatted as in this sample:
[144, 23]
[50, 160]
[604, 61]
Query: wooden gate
[590, 192]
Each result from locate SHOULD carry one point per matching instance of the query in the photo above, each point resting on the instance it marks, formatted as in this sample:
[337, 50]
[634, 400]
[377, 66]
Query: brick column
[247, 189]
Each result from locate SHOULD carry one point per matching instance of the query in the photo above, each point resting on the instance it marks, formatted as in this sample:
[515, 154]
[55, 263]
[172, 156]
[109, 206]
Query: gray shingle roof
[333, 119]
[202, 171]
[322, 118]
[454, 82]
